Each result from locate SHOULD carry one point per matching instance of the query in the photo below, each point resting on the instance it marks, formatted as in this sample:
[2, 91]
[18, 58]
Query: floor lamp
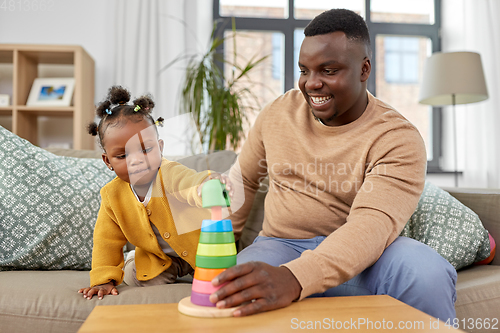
[450, 79]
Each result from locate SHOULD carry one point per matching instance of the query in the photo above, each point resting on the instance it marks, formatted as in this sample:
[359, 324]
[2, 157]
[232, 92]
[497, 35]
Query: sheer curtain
[149, 35]
[473, 25]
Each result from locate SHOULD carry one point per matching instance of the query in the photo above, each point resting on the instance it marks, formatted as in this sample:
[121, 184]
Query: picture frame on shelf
[51, 92]
[4, 100]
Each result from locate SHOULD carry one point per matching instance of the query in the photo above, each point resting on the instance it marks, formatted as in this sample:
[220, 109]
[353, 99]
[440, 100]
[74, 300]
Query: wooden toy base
[186, 307]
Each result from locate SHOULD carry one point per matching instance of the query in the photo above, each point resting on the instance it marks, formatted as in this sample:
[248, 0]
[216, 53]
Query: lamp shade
[458, 74]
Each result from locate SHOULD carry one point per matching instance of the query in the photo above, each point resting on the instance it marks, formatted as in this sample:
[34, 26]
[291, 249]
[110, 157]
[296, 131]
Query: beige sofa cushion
[48, 301]
[478, 296]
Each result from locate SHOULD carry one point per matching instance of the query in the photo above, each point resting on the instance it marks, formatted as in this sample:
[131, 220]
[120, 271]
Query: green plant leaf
[218, 105]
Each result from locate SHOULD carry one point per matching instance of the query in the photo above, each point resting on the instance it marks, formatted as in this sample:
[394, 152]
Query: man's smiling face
[334, 71]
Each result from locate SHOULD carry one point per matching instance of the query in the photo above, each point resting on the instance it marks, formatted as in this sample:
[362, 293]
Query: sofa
[47, 300]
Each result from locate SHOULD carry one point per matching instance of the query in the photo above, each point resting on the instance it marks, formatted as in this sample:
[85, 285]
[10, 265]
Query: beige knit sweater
[357, 184]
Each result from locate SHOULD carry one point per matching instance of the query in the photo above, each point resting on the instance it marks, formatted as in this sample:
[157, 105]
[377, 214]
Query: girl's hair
[115, 111]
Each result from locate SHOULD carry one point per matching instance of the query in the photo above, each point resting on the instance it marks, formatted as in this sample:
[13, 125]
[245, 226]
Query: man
[346, 172]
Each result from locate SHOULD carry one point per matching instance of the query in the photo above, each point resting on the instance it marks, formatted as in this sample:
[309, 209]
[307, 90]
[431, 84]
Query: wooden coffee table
[354, 314]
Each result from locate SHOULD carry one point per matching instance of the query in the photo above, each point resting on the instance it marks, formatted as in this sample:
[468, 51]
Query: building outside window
[403, 34]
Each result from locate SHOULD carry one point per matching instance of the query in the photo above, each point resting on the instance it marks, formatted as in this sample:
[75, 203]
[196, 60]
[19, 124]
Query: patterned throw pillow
[48, 206]
[449, 227]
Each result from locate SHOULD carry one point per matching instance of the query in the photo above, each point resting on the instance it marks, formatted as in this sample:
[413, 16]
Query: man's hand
[265, 286]
[100, 290]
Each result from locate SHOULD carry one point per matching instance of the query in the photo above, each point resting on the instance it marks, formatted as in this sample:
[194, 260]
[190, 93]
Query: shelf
[54, 111]
[51, 111]
[5, 111]
[65, 58]
[6, 57]
[43, 54]
[25, 60]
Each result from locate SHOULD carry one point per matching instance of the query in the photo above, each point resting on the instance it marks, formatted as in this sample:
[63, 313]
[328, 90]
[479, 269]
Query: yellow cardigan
[175, 210]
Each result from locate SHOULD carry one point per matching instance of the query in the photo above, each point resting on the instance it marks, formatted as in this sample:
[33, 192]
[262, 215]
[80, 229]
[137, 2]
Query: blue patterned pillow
[48, 206]
[449, 227]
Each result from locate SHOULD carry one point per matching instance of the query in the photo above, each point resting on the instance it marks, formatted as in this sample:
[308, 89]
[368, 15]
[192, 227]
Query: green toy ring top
[214, 193]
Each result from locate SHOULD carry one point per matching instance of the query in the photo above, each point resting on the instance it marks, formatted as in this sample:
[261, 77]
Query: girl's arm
[107, 253]
[182, 182]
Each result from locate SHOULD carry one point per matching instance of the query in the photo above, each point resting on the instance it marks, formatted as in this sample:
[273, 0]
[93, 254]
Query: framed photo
[4, 100]
[51, 92]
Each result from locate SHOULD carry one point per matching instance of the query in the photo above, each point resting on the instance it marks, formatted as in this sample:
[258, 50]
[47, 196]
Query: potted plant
[217, 102]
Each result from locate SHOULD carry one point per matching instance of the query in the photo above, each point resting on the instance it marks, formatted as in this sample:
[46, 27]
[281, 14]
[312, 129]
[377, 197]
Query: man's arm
[387, 199]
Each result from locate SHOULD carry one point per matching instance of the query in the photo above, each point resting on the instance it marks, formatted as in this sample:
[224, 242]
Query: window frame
[287, 27]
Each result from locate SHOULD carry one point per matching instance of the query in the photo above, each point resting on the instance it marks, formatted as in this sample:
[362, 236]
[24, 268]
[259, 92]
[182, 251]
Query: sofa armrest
[486, 204]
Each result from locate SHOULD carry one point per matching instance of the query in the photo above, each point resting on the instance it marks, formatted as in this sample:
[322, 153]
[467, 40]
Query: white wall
[88, 23]
[93, 24]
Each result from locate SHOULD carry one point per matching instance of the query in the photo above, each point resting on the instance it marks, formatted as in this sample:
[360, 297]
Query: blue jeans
[408, 270]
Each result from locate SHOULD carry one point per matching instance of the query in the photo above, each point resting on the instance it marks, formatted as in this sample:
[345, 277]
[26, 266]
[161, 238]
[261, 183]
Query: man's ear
[366, 69]
[106, 161]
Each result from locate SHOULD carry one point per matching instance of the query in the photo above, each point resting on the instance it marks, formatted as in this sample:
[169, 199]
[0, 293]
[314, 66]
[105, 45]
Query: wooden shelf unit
[25, 59]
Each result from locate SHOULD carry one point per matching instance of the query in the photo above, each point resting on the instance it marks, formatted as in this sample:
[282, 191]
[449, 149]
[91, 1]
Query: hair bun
[159, 122]
[101, 108]
[93, 129]
[118, 95]
[145, 102]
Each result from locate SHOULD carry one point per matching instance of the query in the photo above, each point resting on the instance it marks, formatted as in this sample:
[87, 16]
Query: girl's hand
[224, 179]
[100, 290]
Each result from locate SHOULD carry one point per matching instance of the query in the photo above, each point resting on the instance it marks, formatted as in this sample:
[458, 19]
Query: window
[403, 34]
[400, 62]
[401, 59]
[407, 11]
[277, 55]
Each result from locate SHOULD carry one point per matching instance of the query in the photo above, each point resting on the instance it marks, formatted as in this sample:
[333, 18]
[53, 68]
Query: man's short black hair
[347, 21]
